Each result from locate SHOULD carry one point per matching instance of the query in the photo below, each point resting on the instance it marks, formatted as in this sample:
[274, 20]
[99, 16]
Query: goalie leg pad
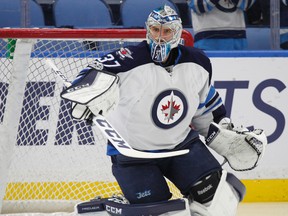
[226, 198]
[117, 206]
[95, 206]
[177, 207]
[242, 149]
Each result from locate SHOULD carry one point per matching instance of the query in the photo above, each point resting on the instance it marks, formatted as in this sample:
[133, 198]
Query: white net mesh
[49, 161]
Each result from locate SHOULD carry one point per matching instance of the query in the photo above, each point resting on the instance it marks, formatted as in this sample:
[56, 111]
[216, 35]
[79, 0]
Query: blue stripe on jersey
[208, 98]
[283, 38]
[222, 44]
[219, 101]
[179, 56]
[210, 5]
[201, 7]
[220, 34]
[245, 4]
[242, 5]
[111, 150]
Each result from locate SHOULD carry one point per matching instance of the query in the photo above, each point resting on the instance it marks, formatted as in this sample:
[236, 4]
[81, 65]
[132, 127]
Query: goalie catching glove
[242, 148]
[92, 93]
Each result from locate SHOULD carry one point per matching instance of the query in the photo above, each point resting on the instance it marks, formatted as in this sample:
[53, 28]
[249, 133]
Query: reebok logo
[209, 187]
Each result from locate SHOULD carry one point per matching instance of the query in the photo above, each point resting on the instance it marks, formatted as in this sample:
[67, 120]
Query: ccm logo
[107, 129]
[113, 210]
[78, 87]
[211, 136]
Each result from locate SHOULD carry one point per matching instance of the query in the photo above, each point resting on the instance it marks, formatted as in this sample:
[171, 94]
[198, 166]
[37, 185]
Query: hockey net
[48, 162]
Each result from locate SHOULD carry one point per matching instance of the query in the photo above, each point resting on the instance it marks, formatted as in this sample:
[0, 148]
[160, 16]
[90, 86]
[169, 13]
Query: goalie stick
[112, 135]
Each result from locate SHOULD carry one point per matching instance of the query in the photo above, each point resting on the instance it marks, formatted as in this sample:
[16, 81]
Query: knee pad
[203, 191]
[225, 199]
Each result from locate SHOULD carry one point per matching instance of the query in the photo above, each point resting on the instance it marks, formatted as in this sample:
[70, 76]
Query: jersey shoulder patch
[126, 58]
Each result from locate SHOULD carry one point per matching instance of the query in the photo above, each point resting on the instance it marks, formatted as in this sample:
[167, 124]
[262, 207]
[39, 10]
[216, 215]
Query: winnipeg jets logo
[226, 6]
[125, 52]
[169, 108]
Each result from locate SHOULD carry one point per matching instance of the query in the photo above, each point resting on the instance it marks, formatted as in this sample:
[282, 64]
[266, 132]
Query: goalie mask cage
[48, 162]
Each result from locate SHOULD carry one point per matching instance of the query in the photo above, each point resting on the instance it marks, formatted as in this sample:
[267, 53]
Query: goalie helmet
[164, 29]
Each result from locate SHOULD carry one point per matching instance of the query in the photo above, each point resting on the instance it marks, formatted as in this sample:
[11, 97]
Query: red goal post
[48, 162]
[85, 33]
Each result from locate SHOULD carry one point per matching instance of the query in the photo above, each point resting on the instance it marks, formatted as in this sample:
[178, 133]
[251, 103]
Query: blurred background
[264, 20]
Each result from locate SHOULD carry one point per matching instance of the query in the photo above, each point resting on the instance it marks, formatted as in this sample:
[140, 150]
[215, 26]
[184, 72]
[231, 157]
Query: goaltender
[159, 96]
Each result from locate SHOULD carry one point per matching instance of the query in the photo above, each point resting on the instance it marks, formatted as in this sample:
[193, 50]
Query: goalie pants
[142, 180]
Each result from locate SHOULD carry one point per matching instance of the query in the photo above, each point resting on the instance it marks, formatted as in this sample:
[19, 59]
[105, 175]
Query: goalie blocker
[94, 91]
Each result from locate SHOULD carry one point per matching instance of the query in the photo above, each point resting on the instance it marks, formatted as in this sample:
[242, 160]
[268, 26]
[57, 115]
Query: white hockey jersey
[219, 24]
[160, 110]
